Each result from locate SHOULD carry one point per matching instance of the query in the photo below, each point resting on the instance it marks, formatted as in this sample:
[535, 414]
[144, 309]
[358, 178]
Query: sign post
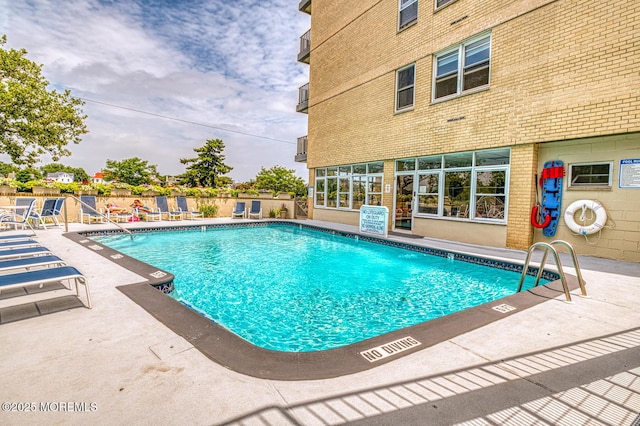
[374, 220]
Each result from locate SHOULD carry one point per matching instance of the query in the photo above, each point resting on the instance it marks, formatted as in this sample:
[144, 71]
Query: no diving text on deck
[388, 349]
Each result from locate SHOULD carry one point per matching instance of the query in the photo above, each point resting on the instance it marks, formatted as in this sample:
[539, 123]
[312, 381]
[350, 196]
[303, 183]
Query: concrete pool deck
[554, 363]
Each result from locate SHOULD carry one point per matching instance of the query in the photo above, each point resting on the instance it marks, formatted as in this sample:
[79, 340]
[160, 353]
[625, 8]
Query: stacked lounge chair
[25, 263]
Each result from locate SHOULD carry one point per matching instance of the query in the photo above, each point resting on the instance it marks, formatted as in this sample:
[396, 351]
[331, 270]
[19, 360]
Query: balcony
[305, 6]
[301, 153]
[303, 99]
[305, 47]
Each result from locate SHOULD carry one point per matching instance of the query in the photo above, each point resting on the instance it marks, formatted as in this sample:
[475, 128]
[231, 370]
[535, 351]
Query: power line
[186, 121]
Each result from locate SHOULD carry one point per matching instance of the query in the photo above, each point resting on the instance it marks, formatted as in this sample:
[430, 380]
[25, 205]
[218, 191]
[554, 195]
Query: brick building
[444, 111]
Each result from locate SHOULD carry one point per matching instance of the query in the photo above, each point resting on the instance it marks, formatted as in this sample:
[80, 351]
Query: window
[428, 193]
[359, 183]
[457, 193]
[374, 191]
[344, 187]
[465, 185]
[585, 175]
[332, 187]
[405, 80]
[463, 68]
[349, 187]
[490, 190]
[408, 13]
[440, 3]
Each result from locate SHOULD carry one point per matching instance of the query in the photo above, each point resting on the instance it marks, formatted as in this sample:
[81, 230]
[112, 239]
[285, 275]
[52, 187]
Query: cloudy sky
[160, 77]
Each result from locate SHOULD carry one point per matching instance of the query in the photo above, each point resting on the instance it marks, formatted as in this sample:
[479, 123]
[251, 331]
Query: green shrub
[68, 188]
[208, 210]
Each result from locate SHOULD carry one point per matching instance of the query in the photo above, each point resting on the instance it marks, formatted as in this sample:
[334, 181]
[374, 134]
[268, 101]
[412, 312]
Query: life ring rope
[583, 205]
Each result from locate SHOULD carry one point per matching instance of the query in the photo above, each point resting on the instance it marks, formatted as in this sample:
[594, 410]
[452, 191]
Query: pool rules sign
[374, 220]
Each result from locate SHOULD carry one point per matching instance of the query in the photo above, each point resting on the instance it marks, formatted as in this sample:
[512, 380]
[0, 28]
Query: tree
[133, 171]
[280, 179]
[208, 167]
[6, 168]
[79, 174]
[33, 120]
[27, 174]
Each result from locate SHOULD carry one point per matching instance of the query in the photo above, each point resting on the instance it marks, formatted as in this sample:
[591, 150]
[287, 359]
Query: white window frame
[402, 6]
[341, 174]
[420, 192]
[461, 66]
[583, 186]
[411, 86]
[473, 169]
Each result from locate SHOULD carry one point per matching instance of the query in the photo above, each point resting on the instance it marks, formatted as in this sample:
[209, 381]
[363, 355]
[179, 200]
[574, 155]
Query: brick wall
[561, 70]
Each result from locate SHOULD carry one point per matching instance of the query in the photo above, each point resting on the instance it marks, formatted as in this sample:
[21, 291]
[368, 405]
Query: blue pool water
[297, 290]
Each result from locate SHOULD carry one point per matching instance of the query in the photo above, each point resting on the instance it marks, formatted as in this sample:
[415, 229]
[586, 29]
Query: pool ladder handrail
[104, 216]
[549, 247]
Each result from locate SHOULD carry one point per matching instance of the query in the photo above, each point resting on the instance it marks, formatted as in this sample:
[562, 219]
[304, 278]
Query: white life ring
[597, 225]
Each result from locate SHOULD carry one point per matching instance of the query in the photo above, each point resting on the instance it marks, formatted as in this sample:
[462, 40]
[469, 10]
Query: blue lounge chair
[5, 245]
[46, 276]
[24, 252]
[15, 237]
[21, 215]
[255, 210]
[239, 210]
[89, 210]
[184, 209]
[48, 207]
[163, 209]
[52, 213]
[30, 262]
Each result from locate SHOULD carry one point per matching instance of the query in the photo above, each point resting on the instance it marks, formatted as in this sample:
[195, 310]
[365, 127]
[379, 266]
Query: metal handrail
[548, 247]
[572, 252]
[66, 216]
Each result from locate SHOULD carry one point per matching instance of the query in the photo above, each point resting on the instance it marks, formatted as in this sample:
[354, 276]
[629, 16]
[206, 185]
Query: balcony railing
[305, 47]
[301, 154]
[305, 6]
[303, 99]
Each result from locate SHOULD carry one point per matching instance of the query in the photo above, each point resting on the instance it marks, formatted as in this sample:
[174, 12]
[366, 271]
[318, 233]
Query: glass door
[404, 202]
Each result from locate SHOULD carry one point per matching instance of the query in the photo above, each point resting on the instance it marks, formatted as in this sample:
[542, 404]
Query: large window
[407, 13]
[462, 68]
[349, 187]
[405, 81]
[467, 185]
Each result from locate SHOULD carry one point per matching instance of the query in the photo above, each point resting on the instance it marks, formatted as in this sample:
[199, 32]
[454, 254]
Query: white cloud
[228, 65]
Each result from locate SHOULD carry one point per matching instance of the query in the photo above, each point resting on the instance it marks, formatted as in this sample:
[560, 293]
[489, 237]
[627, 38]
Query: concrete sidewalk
[555, 363]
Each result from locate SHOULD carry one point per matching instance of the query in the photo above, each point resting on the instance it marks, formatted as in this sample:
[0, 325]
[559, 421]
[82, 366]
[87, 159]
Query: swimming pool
[294, 289]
